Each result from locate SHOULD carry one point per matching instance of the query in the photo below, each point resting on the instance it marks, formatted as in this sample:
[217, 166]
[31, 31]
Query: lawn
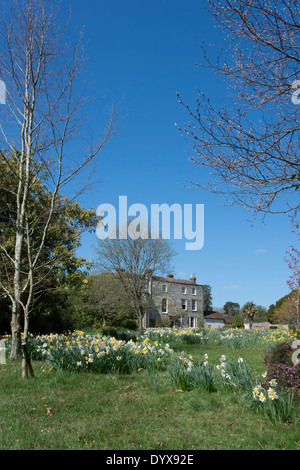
[63, 410]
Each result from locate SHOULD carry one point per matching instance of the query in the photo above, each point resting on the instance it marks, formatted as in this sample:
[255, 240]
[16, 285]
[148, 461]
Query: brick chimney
[192, 278]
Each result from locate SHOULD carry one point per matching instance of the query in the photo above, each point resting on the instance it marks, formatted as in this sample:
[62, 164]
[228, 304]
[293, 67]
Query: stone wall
[265, 326]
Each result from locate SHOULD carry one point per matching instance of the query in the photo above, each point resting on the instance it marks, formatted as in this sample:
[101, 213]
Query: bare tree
[293, 261]
[42, 118]
[251, 144]
[134, 261]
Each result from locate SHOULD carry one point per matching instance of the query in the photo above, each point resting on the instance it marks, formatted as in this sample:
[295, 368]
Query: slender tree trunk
[26, 362]
[16, 313]
[141, 318]
[15, 332]
[16, 310]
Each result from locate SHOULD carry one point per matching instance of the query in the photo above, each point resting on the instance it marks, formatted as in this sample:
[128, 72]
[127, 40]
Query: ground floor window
[192, 322]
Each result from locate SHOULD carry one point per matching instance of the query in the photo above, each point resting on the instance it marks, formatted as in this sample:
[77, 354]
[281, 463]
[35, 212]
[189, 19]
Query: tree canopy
[231, 308]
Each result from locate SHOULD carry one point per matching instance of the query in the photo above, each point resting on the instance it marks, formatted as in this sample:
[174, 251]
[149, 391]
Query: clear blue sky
[143, 53]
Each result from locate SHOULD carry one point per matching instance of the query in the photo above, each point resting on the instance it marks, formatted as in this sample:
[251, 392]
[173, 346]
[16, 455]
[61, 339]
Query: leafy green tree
[58, 269]
[261, 315]
[231, 308]
[285, 310]
[107, 300]
[273, 308]
[237, 321]
[207, 298]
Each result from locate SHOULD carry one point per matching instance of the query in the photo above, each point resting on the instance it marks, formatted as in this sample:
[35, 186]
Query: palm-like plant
[249, 310]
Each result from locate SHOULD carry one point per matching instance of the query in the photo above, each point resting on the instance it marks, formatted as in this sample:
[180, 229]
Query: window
[183, 290]
[183, 304]
[164, 306]
[194, 292]
[194, 305]
[192, 322]
[164, 288]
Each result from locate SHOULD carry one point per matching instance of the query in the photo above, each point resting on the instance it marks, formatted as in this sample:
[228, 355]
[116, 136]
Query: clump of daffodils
[188, 361]
[222, 367]
[102, 354]
[260, 394]
[273, 402]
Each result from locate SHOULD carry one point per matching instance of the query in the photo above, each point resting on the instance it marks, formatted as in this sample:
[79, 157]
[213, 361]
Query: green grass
[141, 411]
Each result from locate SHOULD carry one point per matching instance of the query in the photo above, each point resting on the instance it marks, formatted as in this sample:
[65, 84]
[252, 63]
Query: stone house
[174, 302]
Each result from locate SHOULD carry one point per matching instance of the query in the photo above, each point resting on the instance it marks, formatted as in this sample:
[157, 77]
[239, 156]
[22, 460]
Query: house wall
[173, 297]
[211, 323]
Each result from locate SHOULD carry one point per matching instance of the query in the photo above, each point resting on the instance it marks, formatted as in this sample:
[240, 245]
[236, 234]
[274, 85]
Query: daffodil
[272, 394]
[273, 382]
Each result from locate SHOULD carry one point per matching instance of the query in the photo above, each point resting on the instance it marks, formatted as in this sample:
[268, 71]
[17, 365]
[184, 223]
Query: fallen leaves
[49, 411]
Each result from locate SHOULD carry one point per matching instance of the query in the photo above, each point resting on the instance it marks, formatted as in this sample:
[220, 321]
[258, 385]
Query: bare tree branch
[251, 145]
[39, 124]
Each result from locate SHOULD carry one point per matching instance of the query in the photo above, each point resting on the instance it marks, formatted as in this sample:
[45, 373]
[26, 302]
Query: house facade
[217, 320]
[175, 302]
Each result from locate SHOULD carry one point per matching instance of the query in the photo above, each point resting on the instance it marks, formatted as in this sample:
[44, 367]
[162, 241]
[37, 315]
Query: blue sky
[139, 55]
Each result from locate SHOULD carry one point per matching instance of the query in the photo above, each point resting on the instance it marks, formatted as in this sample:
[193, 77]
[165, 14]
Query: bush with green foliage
[237, 321]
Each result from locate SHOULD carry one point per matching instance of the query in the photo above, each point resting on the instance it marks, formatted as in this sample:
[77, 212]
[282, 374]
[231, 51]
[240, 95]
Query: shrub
[279, 366]
[118, 333]
[237, 321]
[130, 324]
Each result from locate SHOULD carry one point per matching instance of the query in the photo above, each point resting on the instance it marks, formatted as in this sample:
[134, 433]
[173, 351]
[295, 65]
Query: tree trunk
[141, 319]
[15, 332]
[26, 362]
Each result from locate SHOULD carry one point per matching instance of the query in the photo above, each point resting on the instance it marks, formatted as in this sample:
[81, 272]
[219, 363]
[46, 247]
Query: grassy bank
[140, 411]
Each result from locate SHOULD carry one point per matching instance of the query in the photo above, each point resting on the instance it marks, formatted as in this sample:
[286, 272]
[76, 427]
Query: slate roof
[218, 316]
[176, 281]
